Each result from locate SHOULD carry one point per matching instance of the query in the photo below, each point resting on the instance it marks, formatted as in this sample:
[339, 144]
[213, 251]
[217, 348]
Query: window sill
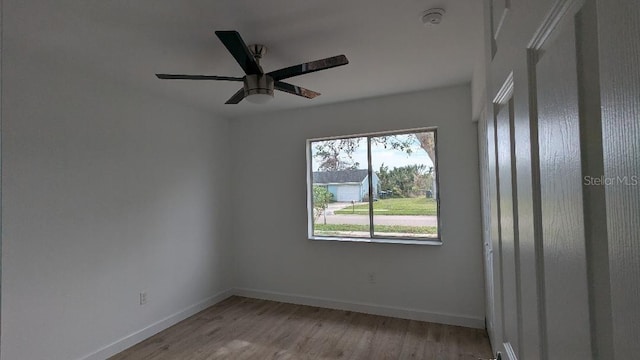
[431, 242]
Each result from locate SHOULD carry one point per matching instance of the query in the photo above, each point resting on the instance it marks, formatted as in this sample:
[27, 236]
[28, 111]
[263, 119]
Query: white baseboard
[397, 312]
[140, 335]
[403, 313]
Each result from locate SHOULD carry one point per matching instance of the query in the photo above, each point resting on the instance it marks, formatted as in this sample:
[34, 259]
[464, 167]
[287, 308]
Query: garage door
[348, 193]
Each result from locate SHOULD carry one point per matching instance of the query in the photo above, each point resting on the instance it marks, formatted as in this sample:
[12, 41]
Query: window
[377, 187]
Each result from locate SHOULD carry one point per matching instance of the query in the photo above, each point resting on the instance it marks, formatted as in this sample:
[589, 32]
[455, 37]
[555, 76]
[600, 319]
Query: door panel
[564, 248]
[508, 227]
[494, 196]
[485, 184]
[619, 31]
[499, 12]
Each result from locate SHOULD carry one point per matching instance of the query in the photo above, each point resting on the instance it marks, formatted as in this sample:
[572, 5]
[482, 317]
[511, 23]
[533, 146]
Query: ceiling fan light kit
[259, 86]
[258, 89]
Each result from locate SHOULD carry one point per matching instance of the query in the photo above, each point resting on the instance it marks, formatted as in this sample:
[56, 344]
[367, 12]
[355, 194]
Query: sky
[391, 158]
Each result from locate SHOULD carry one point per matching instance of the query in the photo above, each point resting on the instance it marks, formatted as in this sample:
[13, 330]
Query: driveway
[331, 207]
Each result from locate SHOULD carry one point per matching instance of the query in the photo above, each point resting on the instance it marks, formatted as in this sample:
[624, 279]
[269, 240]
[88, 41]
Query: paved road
[409, 220]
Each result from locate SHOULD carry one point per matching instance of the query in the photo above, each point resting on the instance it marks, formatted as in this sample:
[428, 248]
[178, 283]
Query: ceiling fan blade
[239, 50]
[237, 97]
[295, 90]
[196, 77]
[309, 67]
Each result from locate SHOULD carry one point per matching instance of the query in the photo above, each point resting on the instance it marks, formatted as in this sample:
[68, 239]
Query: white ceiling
[389, 49]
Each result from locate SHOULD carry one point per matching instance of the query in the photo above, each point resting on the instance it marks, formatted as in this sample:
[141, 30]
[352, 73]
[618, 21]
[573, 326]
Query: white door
[507, 206]
[565, 295]
[487, 184]
[565, 271]
[619, 69]
[542, 56]
[348, 193]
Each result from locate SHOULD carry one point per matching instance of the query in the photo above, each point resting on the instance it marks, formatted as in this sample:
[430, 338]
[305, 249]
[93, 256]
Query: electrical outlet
[143, 298]
[371, 277]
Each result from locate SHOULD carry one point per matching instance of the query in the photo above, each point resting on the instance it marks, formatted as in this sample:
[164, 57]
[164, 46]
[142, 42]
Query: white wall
[273, 254]
[110, 189]
[107, 191]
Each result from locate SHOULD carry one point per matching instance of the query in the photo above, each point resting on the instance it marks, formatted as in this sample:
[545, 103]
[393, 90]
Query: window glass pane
[404, 181]
[340, 187]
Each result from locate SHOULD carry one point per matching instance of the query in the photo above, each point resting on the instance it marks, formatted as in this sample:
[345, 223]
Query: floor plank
[244, 328]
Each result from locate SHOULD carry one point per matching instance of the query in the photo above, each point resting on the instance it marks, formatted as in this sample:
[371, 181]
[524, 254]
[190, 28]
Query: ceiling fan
[258, 85]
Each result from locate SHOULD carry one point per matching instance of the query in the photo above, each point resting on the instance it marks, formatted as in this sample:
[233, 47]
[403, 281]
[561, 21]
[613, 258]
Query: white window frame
[373, 238]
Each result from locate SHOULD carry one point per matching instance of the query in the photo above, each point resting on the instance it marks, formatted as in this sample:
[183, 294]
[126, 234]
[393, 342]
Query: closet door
[554, 63]
[619, 34]
[535, 60]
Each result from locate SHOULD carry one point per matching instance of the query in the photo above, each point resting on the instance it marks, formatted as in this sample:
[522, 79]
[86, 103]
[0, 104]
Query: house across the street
[346, 185]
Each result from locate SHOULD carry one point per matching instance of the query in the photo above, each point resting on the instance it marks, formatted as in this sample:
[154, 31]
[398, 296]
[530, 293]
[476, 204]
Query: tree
[405, 181]
[427, 143]
[321, 199]
[335, 155]
[384, 179]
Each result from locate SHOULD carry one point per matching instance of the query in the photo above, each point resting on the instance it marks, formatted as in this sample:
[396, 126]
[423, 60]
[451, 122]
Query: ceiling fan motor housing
[258, 84]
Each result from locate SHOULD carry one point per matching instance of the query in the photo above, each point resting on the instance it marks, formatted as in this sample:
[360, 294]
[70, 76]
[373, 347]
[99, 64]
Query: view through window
[375, 186]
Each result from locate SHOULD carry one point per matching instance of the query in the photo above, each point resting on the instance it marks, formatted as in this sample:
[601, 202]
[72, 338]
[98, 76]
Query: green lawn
[379, 228]
[401, 206]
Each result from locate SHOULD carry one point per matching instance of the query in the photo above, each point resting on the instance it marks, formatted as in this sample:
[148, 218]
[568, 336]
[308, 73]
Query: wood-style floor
[243, 328]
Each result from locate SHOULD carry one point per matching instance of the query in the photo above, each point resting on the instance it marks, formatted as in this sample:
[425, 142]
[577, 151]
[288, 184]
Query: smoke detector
[432, 16]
